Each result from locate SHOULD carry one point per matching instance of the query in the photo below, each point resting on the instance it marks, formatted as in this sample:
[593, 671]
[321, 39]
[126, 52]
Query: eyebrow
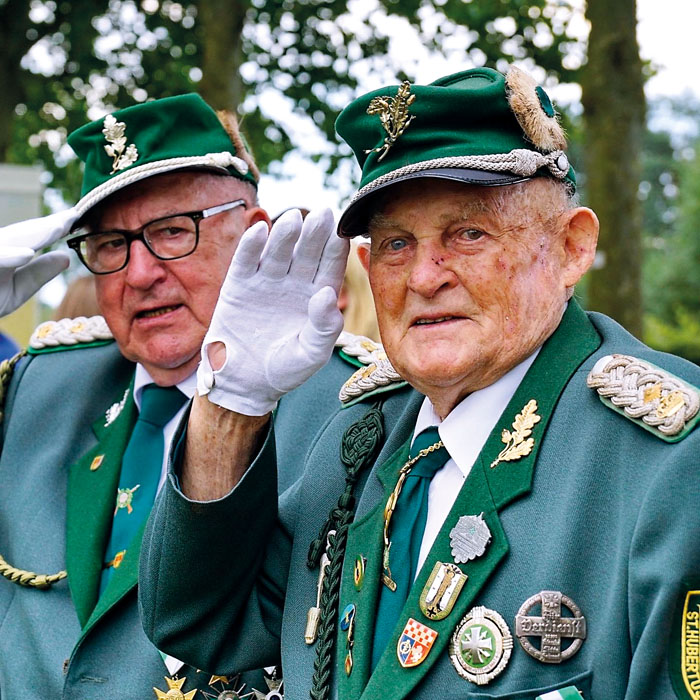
[466, 211]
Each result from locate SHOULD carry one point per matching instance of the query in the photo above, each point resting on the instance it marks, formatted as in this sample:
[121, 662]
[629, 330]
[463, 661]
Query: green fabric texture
[174, 127]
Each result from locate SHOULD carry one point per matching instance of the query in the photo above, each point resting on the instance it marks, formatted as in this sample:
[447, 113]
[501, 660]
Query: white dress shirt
[187, 387]
[464, 433]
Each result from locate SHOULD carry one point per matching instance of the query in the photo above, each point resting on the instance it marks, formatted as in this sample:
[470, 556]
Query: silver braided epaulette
[70, 332]
[378, 375]
[652, 397]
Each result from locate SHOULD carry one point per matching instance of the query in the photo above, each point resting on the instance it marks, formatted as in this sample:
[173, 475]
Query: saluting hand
[21, 274]
[277, 312]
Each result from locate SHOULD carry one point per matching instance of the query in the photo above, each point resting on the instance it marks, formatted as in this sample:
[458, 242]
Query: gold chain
[391, 506]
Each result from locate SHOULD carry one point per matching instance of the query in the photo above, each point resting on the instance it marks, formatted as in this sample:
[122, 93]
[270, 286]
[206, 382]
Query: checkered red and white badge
[415, 642]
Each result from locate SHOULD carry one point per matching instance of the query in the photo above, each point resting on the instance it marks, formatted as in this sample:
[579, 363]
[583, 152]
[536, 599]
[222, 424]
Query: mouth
[159, 311]
[436, 320]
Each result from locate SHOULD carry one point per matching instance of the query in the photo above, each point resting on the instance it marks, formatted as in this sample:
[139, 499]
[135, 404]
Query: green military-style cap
[174, 133]
[478, 126]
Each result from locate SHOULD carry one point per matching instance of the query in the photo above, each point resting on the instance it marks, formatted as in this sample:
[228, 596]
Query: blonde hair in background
[79, 300]
[355, 299]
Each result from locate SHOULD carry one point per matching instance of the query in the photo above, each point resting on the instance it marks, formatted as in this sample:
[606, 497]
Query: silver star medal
[469, 538]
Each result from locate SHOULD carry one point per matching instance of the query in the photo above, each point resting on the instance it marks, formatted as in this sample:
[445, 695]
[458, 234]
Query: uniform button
[65, 666]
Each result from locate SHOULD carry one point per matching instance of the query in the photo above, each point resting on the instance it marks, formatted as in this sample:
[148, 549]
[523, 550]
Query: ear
[580, 239]
[256, 214]
[364, 255]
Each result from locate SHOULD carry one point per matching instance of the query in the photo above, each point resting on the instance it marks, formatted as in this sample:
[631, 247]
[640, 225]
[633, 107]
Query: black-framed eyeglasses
[168, 238]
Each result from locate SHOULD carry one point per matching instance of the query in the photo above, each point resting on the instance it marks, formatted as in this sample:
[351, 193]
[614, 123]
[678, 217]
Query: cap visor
[353, 221]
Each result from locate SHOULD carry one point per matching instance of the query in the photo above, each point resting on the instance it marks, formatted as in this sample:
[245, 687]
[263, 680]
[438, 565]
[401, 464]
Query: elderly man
[508, 509]
[168, 190]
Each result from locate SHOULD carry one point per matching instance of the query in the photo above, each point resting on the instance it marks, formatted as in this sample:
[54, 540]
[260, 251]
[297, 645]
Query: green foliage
[680, 335]
[80, 59]
[672, 260]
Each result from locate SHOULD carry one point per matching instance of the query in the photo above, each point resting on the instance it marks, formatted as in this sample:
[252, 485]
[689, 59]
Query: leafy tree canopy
[279, 62]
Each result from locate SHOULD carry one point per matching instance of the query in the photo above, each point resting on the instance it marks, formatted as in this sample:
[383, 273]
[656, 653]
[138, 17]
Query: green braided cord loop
[330, 598]
[29, 578]
[358, 449]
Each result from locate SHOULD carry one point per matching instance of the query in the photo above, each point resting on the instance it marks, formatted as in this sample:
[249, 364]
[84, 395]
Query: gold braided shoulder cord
[11, 573]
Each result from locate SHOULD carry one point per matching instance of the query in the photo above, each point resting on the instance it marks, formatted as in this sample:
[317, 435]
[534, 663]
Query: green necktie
[407, 526]
[141, 467]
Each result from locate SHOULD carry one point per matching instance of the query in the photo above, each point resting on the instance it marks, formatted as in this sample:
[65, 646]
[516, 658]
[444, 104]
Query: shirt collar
[187, 386]
[465, 430]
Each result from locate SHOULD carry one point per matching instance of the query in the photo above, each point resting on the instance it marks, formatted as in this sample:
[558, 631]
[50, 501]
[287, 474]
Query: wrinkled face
[468, 281]
[159, 310]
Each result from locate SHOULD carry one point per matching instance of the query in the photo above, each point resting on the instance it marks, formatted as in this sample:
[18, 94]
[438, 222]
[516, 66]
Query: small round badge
[347, 617]
[481, 645]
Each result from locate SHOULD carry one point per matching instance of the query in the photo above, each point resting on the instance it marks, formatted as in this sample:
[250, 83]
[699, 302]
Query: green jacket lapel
[489, 488]
[92, 485]
[124, 578]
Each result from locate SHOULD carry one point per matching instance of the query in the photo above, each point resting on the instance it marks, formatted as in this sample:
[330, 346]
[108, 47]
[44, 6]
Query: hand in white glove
[277, 312]
[20, 275]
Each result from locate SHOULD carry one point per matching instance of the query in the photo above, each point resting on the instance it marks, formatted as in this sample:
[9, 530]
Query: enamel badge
[441, 590]
[481, 645]
[469, 538]
[415, 643]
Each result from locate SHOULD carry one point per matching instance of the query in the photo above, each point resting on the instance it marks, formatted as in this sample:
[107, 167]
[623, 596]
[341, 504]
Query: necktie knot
[432, 462]
[160, 403]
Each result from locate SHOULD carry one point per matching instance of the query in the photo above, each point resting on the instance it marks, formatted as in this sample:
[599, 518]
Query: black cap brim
[353, 221]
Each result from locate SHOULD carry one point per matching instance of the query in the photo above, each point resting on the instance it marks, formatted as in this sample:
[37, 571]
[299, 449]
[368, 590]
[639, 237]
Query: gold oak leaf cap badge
[174, 690]
[116, 148]
[393, 115]
[519, 443]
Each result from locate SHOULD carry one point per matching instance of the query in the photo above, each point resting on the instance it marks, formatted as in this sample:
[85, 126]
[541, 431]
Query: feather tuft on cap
[532, 108]
[230, 123]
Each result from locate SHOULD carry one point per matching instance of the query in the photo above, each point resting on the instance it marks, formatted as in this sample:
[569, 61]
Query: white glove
[20, 275]
[277, 312]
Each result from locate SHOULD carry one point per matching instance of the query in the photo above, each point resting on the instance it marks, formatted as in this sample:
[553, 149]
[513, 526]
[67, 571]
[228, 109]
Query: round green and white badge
[481, 645]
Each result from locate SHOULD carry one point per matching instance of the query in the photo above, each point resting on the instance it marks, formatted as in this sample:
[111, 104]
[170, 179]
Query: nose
[431, 270]
[143, 269]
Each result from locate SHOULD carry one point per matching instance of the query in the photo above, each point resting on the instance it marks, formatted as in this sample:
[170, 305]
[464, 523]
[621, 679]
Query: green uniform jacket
[55, 513]
[600, 510]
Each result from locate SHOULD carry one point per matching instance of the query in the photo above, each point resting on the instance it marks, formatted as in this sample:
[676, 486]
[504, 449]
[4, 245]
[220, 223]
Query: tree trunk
[614, 107]
[14, 22]
[221, 23]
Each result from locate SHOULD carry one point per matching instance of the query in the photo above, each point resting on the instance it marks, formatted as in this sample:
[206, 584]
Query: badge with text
[481, 645]
[442, 590]
[551, 626]
[415, 643]
[469, 538]
[684, 650]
